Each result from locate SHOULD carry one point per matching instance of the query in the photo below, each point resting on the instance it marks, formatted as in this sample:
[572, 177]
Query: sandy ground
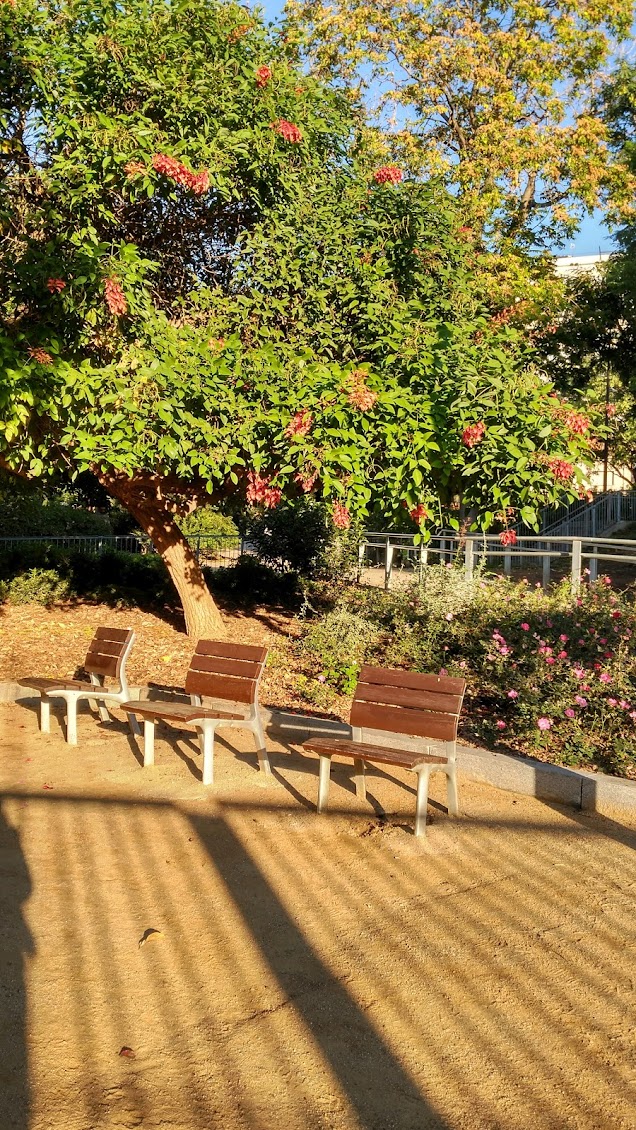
[311, 972]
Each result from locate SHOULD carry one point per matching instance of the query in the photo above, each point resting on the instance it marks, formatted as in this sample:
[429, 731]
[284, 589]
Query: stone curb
[584, 790]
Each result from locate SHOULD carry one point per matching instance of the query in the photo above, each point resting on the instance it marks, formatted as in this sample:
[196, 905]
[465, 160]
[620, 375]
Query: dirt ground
[311, 972]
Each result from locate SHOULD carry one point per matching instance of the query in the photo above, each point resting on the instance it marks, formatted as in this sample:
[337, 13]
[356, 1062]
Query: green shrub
[209, 523]
[249, 581]
[338, 644]
[37, 586]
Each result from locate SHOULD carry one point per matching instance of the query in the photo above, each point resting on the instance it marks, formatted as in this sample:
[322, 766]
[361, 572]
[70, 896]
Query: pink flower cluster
[341, 516]
[577, 423]
[361, 396]
[473, 434]
[55, 286]
[508, 537]
[300, 424]
[134, 169]
[388, 174]
[260, 492]
[287, 130]
[169, 167]
[306, 479]
[115, 297]
[40, 355]
[561, 469]
[263, 75]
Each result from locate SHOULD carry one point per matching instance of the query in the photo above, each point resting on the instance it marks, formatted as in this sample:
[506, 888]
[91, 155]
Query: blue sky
[593, 235]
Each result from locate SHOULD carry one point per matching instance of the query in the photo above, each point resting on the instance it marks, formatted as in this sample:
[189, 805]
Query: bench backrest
[226, 670]
[108, 652]
[405, 702]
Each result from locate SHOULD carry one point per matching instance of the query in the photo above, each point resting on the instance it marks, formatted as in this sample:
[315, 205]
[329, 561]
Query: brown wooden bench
[106, 658]
[227, 671]
[398, 702]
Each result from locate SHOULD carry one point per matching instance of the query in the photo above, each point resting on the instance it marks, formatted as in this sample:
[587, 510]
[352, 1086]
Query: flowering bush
[548, 674]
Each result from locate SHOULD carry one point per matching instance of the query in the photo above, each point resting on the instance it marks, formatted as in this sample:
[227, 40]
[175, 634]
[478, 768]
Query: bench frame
[107, 656]
[211, 683]
[398, 711]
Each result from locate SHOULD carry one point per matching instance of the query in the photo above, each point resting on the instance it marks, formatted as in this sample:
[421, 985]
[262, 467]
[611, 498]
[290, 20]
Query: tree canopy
[211, 290]
[498, 97]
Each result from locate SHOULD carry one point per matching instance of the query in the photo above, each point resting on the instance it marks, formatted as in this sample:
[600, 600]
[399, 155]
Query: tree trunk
[202, 617]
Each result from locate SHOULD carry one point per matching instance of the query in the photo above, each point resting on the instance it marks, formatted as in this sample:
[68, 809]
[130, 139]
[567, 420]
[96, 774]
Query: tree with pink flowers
[210, 292]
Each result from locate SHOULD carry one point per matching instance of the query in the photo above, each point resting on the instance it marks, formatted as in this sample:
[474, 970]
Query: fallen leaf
[47, 786]
[149, 935]
[128, 1053]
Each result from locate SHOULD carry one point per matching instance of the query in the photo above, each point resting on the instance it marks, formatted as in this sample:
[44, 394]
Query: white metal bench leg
[360, 778]
[208, 753]
[149, 742]
[45, 716]
[261, 748]
[451, 791]
[323, 782]
[423, 775]
[71, 720]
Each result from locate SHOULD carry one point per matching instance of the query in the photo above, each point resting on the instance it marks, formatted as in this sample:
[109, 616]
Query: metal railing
[586, 519]
[391, 554]
[213, 550]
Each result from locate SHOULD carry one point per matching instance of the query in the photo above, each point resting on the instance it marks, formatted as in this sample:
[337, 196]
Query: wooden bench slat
[341, 747]
[118, 635]
[220, 686]
[414, 680]
[106, 647]
[243, 669]
[102, 664]
[179, 711]
[246, 652]
[54, 684]
[401, 720]
[405, 696]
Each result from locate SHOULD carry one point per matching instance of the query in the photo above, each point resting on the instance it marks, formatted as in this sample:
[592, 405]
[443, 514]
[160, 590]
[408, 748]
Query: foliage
[548, 674]
[290, 536]
[197, 303]
[341, 640]
[26, 511]
[112, 578]
[209, 523]
[499, 98]
[37, 586]
[250, 582]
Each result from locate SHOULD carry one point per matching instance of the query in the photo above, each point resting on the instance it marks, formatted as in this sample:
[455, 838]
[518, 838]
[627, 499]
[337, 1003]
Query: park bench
[405, 703]
[106, 658]
[226, 671]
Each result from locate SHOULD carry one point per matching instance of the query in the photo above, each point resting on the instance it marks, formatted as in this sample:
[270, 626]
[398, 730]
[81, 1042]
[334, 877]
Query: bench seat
[361, 751]
[176, 711]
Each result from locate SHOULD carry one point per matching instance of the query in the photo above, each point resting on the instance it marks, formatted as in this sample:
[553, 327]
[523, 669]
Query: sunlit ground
[311, 971]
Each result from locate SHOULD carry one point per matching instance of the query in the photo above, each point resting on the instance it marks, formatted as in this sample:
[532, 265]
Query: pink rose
[604, 677]
[525, 627]
[501, 725]
[513, 694]
[569, 713]
[580, 701]
[544, 723]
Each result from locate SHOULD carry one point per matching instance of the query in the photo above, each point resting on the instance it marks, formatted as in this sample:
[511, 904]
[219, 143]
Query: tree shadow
[348, 1041]
[15, 944]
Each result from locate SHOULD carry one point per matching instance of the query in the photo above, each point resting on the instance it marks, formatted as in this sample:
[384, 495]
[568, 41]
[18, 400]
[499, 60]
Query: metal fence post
[361, 550]
[507, 564]
[619, 507]
[388, 565]
[594, 564]
[423, 559]
[576, 565]
[546, 567]
[469, 558]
